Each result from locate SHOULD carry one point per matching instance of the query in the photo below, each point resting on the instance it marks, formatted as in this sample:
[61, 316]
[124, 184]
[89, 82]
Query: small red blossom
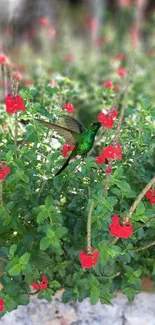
[2, 304]
[108, 84]
[52, 32]
[29, 82]
[67, 148]
[42, 285]
[122, 72]
[17, 75]
[44, 21]
[150, 195]
[35, 285]
[121, 231]
[116, 87]
[108, 170]
[4, 171]
[120, 56]
[89, 260]
[110, 152]
[69, 58]
[14, 104]
[69, 108]
[124, 3]
[92, 24]
[108, 120]
[3, 58]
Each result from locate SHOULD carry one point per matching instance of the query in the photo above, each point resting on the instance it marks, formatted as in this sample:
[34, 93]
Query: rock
[141, 311]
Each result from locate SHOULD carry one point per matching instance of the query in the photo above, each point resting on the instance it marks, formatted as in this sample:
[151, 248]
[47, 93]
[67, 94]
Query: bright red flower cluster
[108, 84]
[108, 120]
[40, 286]
[67, 148]
[110, 152]
[3, 58]
[4, 171]
[69, 108]
[118, 230]
[14, 104]
[89, 260]
[2, 304]
[150, 195]
[122, 72]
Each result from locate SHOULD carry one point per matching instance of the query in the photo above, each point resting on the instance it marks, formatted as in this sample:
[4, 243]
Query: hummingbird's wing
[73, 125]
[68, 135]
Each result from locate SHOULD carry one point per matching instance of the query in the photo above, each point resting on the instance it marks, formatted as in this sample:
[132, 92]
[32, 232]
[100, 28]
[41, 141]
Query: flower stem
[3, 80]
[89, 228]
[1, 192]
[16, 133]
[139, 198]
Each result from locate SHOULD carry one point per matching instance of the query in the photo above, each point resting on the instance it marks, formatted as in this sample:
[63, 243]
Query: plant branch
[124, 106]
[139, 198]
[89, 228]
[143, 248]
[141, 227]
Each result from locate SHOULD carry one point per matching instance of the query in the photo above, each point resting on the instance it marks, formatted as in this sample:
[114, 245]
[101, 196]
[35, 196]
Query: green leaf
[137, 273]
[12, 250]
[94, 295]
[22, 299]
[15, 270]
[45, 243]
[42, 216]
[140, 208]
[61, 231]
[10, 305]
[24, 259]
[48, 201]
[51, 90]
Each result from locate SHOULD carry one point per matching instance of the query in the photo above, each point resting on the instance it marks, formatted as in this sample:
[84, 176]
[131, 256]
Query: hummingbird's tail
[63, 167]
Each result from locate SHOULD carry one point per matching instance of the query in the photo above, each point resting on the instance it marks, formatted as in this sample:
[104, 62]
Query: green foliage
[43, 220]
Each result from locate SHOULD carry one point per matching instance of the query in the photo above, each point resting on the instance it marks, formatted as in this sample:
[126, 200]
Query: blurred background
[73, 27]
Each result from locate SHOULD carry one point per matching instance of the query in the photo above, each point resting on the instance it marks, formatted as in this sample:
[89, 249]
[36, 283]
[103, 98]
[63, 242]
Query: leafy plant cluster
[43, 219]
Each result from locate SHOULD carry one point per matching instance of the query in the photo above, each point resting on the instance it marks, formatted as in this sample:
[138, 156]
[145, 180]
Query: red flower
[150, 195]
[40, 286]
[4, 171]
[2, 304]
[14, 104]
[100, 160]
[108, 84]
[29, 83]
[93, 24]
[121, 56]
[118, 230]
[110, 152]
[44, 21]
[3, 58]
[52, 32]
[89, 260]
[116, 88]
[17, 76]
[69, 108]
[122, 72]
[108, 120]
[43, 285]
[35, 285]
[67, 148]
[69, 58]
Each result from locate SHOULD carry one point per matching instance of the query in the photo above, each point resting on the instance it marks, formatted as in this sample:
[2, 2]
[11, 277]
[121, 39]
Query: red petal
[88, 260]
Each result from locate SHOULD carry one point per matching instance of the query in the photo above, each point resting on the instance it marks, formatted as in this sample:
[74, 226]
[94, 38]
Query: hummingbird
[74, 133]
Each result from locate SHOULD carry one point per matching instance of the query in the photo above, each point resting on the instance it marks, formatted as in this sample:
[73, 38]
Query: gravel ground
[121, 312]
